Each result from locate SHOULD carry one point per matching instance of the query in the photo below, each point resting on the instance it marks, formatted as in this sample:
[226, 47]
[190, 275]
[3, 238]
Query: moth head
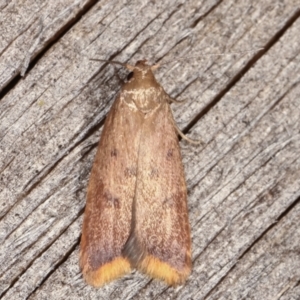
[142, 73]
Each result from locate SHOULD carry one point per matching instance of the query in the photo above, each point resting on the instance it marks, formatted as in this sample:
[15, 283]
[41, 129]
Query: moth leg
[177, 101]
[194, 142]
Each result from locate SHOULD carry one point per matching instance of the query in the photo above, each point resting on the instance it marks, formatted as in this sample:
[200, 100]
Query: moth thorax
[147, 99]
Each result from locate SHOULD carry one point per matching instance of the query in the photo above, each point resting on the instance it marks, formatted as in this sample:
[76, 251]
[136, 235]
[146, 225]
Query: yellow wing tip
[155, 268]
[108, 272]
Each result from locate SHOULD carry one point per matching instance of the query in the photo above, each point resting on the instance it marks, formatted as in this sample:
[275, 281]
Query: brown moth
[136, 212]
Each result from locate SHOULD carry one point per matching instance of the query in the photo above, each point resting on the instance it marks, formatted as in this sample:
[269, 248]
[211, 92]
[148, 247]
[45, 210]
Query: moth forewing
[110, 192]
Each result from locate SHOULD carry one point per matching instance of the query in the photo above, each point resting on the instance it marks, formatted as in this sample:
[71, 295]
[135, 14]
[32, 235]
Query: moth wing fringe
[108, 272]
[156, 268]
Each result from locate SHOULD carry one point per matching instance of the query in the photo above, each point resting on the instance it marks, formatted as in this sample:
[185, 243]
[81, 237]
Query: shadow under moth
[136, 212]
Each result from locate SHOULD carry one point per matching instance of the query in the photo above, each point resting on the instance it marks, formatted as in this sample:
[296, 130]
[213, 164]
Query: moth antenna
[127, 66]
[211, 54]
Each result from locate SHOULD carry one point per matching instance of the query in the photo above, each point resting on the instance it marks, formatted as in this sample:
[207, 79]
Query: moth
[136, 214]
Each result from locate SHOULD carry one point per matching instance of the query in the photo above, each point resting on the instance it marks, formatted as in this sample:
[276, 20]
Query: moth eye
[129, 76]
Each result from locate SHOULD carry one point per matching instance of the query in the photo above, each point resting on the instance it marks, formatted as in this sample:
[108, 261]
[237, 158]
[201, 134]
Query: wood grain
[243, 183]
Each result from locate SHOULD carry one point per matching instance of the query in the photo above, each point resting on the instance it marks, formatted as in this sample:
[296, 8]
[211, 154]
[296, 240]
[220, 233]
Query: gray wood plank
[28, 27]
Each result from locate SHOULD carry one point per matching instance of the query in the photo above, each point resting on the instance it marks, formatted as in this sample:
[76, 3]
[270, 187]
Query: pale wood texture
[243, 182]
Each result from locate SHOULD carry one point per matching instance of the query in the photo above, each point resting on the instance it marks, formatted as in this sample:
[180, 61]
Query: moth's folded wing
[111, 189]
[159, 244]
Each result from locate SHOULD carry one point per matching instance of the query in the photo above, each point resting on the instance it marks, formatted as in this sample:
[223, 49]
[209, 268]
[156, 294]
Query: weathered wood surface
[243, 183]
